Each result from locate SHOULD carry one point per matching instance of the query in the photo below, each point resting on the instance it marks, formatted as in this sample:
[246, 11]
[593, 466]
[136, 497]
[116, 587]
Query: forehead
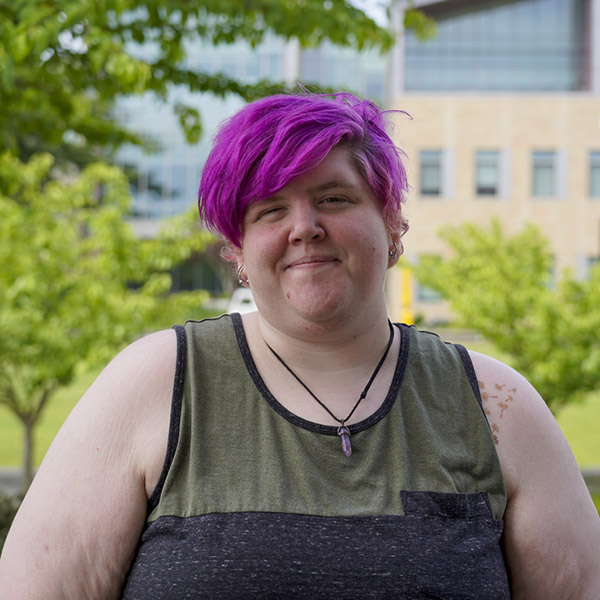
[336, 170]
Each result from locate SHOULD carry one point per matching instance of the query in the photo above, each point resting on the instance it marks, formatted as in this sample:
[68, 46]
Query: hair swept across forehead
[270, 142]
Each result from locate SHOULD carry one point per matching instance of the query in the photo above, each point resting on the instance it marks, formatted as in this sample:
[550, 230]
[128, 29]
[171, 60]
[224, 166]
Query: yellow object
[406, 280]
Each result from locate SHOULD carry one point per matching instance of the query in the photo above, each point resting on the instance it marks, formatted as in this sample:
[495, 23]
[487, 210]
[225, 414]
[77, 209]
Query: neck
[326, 349]
[336, 367]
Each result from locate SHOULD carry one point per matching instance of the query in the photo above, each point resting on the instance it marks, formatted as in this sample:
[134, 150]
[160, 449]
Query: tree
[75, 282]
[502, 287]
[63, 63]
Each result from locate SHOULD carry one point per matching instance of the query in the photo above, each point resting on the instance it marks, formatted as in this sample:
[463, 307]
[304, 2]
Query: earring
[393, 254]
[241, 281]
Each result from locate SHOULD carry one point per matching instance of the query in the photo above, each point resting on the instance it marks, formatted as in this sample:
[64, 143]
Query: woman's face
[317, 251]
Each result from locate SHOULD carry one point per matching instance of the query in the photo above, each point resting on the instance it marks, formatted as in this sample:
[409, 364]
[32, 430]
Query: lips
[311, 261]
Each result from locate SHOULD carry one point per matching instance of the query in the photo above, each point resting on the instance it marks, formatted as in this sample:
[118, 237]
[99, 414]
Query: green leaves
[75, 282]
[502, 287]
[64, 63]
[423, 26]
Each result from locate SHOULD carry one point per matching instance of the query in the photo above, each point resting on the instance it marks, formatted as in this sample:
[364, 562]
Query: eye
[334, 200]
[270, 212]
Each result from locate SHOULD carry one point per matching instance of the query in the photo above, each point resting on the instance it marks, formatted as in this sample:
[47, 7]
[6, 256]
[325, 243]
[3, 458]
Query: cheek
[261, 249]
[372, 238]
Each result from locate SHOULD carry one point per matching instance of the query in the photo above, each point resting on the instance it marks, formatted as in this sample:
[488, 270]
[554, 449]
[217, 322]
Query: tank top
[257, 503]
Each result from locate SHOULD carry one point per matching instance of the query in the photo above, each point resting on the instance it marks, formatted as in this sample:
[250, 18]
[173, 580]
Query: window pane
[427, 294]
[487, 172]
[544, 173]
[500, 45]
[431, 172]
[595, 174]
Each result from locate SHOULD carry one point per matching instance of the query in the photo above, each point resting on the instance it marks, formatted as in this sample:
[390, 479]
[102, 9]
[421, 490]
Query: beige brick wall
[520, 124]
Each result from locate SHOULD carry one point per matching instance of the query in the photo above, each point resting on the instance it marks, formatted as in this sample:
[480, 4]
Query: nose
[306, 223]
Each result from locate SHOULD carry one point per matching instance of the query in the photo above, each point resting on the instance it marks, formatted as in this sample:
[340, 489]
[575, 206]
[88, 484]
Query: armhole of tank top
[472, 377]
[175, 418]
[470, 370]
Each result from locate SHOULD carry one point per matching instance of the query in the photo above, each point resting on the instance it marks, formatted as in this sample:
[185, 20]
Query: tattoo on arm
[502, 396]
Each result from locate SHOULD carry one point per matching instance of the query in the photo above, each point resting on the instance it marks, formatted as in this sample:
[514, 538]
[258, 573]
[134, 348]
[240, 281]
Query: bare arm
[552, 529]
[77, 529]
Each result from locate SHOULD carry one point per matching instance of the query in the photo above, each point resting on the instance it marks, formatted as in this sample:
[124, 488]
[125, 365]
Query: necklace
[343, 431]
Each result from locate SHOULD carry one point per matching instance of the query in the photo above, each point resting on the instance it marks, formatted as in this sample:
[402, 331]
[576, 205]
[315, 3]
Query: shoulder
[136, 377]
[134, 392]
[512, 405]
[156, 350]
[134, 385]
[552, 530]
[523, 427]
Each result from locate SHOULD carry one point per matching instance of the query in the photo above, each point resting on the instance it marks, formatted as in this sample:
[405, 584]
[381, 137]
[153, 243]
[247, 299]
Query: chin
[318, 303]
[324, 316]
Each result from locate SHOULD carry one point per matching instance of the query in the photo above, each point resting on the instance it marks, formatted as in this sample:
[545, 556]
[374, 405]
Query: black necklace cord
[363, 393]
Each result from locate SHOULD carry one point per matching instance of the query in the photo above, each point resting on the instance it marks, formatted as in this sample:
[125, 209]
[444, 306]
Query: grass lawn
[580, 423]
[11, 430]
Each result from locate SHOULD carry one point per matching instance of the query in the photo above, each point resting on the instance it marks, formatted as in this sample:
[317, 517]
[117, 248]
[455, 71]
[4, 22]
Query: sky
[376, 9]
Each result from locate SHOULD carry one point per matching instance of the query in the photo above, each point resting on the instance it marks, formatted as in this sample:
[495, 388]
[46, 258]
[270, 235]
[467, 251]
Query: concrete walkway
[11, 480]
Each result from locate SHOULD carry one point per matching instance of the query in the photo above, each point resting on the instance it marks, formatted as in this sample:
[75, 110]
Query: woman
[312, 448]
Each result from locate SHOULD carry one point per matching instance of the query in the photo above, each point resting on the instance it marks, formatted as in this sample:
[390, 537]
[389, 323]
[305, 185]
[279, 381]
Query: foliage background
[544, 324]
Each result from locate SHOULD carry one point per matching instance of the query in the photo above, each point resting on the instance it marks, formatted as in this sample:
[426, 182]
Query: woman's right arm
[76, 532]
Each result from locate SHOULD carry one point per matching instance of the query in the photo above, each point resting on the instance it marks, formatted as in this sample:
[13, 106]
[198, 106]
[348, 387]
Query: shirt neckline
[373, 418]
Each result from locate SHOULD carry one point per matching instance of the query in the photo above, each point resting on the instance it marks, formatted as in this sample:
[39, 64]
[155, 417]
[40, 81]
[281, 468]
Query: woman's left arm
[552, 529]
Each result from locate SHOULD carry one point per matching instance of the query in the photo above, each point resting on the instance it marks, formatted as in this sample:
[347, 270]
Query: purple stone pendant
[344, 434]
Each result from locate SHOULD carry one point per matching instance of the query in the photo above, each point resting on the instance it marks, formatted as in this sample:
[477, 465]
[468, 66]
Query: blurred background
[108, 110]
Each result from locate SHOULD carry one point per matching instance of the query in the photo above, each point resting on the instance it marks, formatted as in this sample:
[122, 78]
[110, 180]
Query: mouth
[311, 262]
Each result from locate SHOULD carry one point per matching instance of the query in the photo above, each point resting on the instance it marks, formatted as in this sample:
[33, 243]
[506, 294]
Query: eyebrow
[322, 187]
[328, 185]
[332, 184]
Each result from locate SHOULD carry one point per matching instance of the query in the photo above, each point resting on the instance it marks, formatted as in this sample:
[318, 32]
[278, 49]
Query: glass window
[544, 174]
[594, 167]
[487, 172]
[550, 282]
[593, 262]
[431, 172]
[427, 294]
[501, 45]
[343, 68]
[179, 187]
[195, 274]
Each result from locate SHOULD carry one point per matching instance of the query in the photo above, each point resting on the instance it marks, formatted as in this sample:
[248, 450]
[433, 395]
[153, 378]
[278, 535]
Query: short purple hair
[272, 141]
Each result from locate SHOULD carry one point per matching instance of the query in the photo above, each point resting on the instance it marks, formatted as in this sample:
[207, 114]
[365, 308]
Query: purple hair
[270, 142]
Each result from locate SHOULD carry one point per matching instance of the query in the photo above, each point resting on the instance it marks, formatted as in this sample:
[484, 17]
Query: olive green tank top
[255, 502]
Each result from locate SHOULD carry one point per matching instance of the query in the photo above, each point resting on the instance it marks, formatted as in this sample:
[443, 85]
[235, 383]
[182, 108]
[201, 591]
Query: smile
[312, 262]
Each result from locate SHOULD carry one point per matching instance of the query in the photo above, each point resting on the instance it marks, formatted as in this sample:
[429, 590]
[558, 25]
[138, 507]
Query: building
[505, 107]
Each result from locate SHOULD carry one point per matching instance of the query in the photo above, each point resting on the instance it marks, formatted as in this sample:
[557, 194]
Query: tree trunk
[28, 455]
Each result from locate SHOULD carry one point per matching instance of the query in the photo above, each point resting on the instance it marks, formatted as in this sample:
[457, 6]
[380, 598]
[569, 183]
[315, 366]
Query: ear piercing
[243, 282]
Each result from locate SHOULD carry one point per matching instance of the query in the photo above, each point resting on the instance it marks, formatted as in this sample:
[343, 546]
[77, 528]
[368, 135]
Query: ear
[240, 270]
[238, 257]
[231, 254]
[396, 227]
[395, 247]
[235, 257]
[394, 251]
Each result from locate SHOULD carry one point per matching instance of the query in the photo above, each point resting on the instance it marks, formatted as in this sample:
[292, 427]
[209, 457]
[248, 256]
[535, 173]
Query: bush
[9, 505]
